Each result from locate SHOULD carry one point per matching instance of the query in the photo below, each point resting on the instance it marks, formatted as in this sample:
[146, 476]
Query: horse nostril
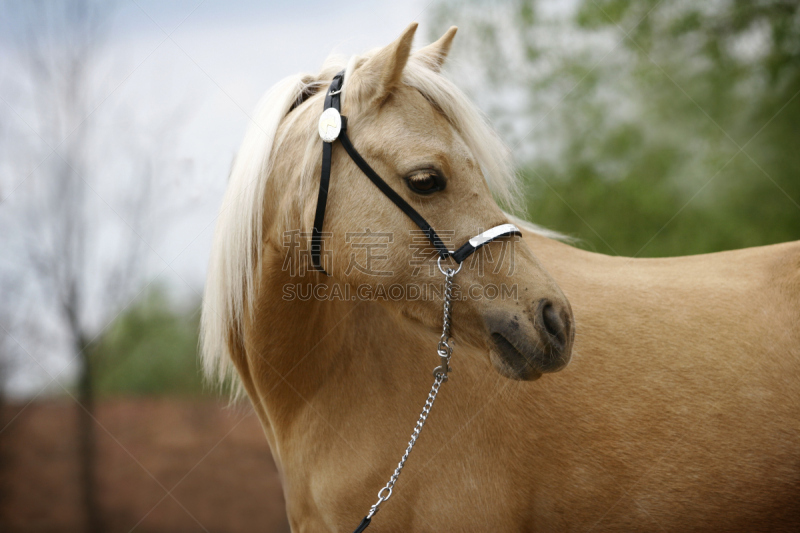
[541, 342]
[555, 326]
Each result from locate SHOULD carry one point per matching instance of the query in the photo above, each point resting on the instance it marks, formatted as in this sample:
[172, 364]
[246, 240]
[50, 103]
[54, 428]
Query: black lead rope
[333, 126]
[363, 525]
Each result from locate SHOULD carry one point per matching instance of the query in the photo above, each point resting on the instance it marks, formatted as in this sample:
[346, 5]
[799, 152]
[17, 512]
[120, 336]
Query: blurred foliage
[655, 128]
[151, 348]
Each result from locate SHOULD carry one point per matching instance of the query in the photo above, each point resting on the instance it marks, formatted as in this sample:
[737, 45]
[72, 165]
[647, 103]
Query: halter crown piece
[333, 126]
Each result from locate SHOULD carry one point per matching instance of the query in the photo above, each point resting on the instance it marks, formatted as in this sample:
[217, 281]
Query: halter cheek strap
[326, 124]
[333, 126]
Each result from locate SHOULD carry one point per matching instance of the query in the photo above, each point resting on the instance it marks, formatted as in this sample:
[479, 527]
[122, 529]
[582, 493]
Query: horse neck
[331, 356]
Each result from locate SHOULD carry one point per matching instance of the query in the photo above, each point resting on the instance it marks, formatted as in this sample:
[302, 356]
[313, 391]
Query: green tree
[149, 349]
[648, 128]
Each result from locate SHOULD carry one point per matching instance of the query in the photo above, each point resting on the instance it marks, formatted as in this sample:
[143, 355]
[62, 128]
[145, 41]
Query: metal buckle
[449, 271]
[445, 351]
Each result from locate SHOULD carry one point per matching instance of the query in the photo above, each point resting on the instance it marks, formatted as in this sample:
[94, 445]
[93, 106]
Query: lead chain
[445, 351]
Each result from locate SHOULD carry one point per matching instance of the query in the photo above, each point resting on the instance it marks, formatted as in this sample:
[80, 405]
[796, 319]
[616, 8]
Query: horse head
[434, 149]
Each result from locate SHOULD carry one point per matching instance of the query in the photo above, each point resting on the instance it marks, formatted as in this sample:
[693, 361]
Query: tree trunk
[87, 443]
[3, 459]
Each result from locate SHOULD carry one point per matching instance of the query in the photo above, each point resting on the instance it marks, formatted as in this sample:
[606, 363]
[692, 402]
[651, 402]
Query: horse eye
[426, 182]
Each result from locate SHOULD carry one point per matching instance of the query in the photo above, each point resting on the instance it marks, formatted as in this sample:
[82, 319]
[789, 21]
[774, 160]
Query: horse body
[679, 410]
[683, 393]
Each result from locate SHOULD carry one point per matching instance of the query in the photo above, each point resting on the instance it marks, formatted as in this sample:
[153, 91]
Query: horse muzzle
[525, 345]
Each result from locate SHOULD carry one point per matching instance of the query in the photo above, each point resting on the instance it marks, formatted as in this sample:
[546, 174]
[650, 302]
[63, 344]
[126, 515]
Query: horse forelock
[282, 114]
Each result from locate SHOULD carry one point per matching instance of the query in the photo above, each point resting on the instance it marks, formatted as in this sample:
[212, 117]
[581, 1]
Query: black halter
[333, 126]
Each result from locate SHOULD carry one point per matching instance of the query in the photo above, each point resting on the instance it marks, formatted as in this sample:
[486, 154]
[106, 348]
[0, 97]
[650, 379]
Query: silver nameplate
[330, 125]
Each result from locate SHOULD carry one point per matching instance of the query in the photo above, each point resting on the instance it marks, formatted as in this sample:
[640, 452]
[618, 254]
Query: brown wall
[214, 459]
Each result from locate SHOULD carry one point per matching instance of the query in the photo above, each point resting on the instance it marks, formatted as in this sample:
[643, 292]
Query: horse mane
[237, 245]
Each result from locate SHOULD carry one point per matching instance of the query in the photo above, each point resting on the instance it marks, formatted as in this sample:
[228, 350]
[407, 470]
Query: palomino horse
[679, 412]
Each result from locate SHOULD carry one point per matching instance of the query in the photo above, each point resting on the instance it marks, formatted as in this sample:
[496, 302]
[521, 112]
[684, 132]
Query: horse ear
[435, 54]
[383, 71]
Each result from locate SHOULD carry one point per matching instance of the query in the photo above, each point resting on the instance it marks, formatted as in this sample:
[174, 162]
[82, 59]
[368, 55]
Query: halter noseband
[332, 126]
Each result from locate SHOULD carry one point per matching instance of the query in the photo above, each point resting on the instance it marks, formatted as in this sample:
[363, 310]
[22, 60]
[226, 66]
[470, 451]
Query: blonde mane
[233, 268]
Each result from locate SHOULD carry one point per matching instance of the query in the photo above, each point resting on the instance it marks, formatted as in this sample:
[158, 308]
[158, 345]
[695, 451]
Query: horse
[672, 400]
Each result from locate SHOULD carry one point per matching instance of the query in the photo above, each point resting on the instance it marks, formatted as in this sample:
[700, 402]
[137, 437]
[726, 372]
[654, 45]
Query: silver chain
[445, 351]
